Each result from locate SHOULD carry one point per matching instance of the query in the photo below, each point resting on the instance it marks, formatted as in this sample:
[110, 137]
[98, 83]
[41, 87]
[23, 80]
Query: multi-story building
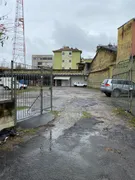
[42, 61]
[67, 58]
[66, 67]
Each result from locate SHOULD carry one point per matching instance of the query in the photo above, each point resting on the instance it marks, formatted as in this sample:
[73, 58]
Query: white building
[42, 61]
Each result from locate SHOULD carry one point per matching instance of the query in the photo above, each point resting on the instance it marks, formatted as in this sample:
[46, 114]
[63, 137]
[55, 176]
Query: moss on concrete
[55, 113]
[86, 114]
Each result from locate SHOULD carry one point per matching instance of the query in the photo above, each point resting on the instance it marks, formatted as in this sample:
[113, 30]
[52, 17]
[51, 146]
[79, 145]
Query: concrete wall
[103, 59]
[73, 79]
[76, 58]
[95, 79]
[57, 61]
[6, 114]
[101, 67]
[66, 83]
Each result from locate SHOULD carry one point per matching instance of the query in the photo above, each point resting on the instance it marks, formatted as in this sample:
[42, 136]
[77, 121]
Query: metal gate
[33, 90]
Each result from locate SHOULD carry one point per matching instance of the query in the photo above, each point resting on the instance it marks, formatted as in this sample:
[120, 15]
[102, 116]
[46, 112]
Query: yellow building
[66, 58]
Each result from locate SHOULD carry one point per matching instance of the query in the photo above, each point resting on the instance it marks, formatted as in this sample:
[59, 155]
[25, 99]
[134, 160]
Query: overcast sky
[51, 24]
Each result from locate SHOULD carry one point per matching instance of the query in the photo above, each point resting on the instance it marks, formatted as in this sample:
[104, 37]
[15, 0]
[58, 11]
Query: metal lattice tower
[19, 34]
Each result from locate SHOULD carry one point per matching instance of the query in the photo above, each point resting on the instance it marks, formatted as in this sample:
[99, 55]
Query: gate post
[41, 92]
[51, 87]
[15, 100]
[12, 66]
[130, 79]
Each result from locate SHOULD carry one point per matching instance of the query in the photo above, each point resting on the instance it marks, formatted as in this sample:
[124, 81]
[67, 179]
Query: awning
[61, 78]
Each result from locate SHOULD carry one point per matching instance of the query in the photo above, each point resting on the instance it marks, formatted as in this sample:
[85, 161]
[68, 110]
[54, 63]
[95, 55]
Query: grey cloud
[50, 24]
[74, 36]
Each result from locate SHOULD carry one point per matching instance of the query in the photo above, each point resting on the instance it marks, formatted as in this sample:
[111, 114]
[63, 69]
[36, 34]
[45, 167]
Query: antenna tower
[19, 34]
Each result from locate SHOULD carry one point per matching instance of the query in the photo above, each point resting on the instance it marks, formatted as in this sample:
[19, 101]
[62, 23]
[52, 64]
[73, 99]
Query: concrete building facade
[42, 61]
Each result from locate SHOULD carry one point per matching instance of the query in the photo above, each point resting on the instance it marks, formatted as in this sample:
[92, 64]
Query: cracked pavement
[98, 147]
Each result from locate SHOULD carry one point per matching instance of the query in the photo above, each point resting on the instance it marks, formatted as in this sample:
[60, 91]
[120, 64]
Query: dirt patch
[23, 135]
[112, 150]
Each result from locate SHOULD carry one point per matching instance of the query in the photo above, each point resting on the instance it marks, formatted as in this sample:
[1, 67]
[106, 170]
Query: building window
[70, 68]
[39, 63]
[63, 68]
[63, 53]
[62, 60]
[70, 61]
[70, 53]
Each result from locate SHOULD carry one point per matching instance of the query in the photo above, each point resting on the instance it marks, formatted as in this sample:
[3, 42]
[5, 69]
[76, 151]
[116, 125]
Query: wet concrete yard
[88, 142]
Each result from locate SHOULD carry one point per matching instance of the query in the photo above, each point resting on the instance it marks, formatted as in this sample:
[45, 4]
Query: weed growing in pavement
[132, 122]
[55, 113]
[86, 114]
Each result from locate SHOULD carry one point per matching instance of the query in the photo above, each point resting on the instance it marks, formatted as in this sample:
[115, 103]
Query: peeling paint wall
[95, 79]
[101, 67]
[126, 41]
[103, 59]
[6, 114]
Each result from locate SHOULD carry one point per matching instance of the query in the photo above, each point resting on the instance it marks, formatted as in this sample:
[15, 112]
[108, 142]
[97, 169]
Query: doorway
[58, 82]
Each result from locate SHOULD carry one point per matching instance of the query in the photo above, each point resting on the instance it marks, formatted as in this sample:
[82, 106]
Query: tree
[3, 29]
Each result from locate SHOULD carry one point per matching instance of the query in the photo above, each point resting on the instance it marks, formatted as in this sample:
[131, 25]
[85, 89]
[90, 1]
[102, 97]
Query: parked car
[116, 87]
[80, 84]
[7, 81]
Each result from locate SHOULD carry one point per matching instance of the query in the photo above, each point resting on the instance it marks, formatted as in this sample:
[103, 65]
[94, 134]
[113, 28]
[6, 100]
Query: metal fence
[123, 84]
[33, 90]
[30, 87]
[6, 83]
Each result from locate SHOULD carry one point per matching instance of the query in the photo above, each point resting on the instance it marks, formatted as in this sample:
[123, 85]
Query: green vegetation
[86, 114]
[32, 89]
[55, 113]
[126, 115]
[119, 111]
[12, 141]
[22, 108]
[132, 122]
[31, 131]
[28, 90]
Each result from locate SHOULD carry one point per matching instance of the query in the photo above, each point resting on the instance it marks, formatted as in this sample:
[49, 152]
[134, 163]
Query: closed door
[58, 82]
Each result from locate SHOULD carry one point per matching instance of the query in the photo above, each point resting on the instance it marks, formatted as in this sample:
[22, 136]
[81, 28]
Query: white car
[7, 81]
[18, 86]
[80, 84]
